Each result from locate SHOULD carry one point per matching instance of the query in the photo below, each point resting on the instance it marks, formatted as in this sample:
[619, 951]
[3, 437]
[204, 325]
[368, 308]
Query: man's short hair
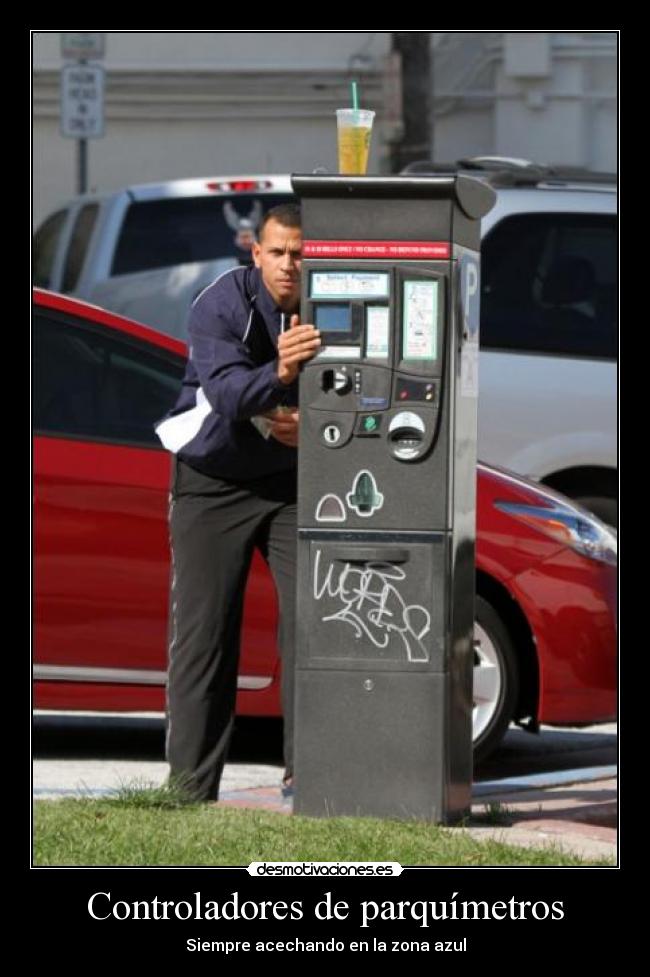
[286, 214]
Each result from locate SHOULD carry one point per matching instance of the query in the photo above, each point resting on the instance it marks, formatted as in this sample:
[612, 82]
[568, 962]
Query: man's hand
[284, 426]
[295, 346]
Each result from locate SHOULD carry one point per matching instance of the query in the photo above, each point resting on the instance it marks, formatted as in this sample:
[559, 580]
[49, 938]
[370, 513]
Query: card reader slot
[373, 554]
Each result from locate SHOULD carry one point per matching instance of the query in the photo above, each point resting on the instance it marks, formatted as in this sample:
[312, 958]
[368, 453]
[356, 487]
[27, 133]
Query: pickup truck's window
[549, 285]
[93, 386]
[78, 246]
[46, 241]
[161, 233]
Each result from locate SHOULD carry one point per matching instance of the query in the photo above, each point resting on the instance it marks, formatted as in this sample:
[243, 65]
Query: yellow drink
[354, 145]
[354, 131]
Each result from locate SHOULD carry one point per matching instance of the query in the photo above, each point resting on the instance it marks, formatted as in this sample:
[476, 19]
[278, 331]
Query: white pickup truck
[549, 297]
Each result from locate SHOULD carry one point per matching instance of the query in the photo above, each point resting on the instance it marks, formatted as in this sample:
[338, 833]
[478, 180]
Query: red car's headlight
[575, 528]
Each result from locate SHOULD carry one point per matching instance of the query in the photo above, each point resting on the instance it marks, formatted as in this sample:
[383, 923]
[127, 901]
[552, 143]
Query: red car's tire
[496, 680]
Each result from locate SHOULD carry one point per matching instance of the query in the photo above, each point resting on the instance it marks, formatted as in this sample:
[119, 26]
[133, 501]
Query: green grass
[160, 826]
[494, 815]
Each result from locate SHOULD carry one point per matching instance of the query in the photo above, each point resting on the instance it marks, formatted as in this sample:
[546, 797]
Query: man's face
[277, 256]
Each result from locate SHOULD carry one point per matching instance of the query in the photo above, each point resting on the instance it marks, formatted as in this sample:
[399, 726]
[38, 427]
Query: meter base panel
[382, 745]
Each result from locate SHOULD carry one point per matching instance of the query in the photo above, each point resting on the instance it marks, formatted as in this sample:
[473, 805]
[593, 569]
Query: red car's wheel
[496, 680]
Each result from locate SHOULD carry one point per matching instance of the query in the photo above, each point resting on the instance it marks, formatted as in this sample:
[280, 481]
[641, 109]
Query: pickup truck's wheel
[496, 680]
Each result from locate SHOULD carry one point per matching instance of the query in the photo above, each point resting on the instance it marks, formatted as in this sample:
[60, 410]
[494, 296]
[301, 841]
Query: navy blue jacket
[231, 376]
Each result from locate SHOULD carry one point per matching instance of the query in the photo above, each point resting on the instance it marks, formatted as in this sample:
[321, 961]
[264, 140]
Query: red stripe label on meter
[427, 250]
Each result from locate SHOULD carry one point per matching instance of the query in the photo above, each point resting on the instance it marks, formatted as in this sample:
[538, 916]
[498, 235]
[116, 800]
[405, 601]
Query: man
[233, 489]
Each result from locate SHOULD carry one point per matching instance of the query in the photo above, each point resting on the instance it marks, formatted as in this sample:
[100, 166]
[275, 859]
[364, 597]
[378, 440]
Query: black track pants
[215, 526]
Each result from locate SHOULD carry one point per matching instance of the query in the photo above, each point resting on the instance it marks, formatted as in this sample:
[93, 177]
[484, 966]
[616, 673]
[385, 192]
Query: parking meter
[386, 495]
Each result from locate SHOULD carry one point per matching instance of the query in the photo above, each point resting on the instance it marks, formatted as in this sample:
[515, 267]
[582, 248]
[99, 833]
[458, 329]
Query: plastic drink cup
[354, 128]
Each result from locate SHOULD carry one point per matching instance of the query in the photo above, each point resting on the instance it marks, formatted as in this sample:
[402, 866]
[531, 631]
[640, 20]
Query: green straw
[355, 96]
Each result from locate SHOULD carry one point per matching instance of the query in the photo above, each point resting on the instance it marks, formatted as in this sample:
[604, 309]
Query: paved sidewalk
[580, 816]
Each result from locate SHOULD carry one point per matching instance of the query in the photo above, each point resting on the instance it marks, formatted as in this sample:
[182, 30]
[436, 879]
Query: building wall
[466, 131]
[226, 50]
[204, 103]
[182, 104]
[550, 97]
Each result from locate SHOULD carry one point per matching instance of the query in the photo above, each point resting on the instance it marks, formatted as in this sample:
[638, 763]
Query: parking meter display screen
[333, 318]
[349, 284]
[420, 320]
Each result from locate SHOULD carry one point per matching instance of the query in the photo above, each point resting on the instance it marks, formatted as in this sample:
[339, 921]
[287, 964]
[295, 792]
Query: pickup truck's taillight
[240, 186]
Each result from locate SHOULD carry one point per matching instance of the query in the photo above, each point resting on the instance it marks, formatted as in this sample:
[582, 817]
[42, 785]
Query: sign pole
[82, 158]
[82, 165]
[82, 96]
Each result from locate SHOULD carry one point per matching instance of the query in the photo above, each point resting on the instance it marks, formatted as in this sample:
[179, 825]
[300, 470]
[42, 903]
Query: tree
[417, 140]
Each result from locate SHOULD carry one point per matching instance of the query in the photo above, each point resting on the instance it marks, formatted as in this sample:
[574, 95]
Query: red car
[545, 639]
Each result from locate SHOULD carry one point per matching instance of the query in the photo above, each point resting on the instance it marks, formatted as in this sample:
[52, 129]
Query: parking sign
[82, 47]
[82, 101]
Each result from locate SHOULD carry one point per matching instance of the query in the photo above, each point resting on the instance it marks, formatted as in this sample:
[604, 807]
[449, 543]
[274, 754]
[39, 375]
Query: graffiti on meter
[368, 599]
[470, 281]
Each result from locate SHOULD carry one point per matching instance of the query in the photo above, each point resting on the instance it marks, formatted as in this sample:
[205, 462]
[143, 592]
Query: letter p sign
[471, 285]
[469, 297]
